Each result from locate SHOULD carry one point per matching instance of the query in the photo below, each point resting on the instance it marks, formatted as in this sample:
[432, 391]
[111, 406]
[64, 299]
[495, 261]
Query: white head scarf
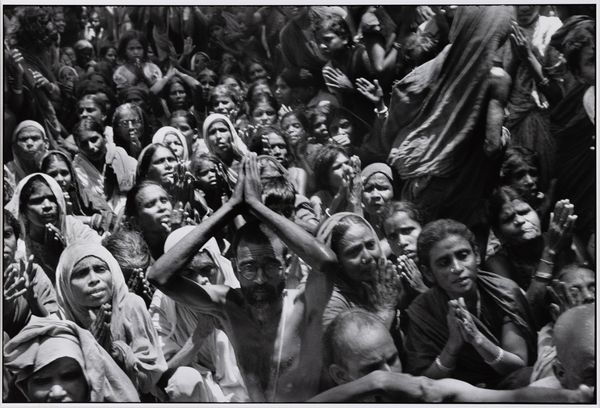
[239, 147]
[69, 306]
[14, 205]
[163, 132]
[211, 247]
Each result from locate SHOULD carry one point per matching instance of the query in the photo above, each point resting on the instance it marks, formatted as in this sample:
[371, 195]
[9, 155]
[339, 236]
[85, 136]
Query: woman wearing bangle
[472, 325]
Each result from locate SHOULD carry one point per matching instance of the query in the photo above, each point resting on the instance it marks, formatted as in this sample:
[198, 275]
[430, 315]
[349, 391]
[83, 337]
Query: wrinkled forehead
[249, 248]
[85, 260]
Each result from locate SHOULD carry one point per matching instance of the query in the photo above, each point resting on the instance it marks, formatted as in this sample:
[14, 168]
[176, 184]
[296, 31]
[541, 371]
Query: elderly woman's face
[60, 172]
[62, 380]
[154, 209]
[358, 252]
[42, 207]
[129, 130]
[174, 143]
[162, 166]
[377, 191]
[91, 283]
[31, 144]
[219, 136]
[518, 223]
[453, 265]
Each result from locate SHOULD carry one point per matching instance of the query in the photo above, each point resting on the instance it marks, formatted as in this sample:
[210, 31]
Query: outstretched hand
[335, 78]
[370, 90]
[562, 222]
[18, 280]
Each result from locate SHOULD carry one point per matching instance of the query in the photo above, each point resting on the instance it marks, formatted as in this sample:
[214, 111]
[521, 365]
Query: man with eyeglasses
[275, 332]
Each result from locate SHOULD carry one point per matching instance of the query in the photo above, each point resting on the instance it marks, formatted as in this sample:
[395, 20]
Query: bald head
[357, 343]
[574, 337]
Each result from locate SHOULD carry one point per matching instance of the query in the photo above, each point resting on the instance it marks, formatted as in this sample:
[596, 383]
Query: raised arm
[313, 252]
[164, 274]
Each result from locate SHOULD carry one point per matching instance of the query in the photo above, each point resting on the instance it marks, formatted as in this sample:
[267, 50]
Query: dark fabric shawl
[435, 109]
[576, 158]
[427, 331]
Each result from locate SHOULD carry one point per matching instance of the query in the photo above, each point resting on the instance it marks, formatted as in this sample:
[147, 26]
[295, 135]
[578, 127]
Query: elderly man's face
[260, 269]
[366, 352]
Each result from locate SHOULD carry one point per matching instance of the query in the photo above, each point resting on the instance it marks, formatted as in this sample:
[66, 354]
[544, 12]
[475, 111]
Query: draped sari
[134, 337]
[44, 340]
[427, 329]
[436, 125]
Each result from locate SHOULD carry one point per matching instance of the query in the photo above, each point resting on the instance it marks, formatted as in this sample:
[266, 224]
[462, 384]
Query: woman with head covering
[27, 289]
[81, 203]
[103, 168]
[58, 361]
[92, 292]
[174, 139]
[361, 268]
[378, 190]
[29, 144]
[208, 368]
[39, 205]
[223, 141]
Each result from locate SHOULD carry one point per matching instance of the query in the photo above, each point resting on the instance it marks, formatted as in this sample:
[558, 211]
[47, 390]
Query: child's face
[134, 51]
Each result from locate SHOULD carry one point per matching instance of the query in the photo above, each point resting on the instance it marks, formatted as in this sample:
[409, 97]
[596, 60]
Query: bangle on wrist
[438, 362]
[547, 262]
[498, 357]
[382, 112]
[543, 276]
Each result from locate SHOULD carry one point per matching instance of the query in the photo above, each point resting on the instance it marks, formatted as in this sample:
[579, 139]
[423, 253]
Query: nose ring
[363, 261]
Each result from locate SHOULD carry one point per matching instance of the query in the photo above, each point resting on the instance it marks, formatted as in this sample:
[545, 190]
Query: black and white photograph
[262, 203]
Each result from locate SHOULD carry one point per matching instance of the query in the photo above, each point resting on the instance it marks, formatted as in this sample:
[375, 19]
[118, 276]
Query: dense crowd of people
[299, 203]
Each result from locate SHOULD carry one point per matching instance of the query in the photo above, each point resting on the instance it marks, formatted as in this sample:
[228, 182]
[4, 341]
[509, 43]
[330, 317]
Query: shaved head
[574, 337]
